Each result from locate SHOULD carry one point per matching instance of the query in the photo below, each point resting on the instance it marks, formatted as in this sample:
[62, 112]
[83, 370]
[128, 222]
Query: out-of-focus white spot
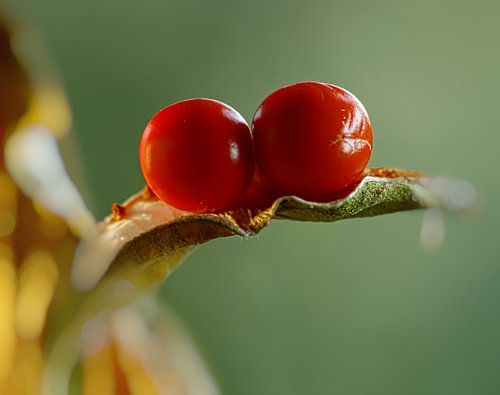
[34, 161]
[94, 335]
[455, 194]
[433, 230]
[123, 290]
[447, 193]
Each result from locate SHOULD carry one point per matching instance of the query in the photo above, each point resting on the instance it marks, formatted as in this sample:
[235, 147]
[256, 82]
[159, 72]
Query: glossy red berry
[197, 155]
[311, 139]
[259, 194]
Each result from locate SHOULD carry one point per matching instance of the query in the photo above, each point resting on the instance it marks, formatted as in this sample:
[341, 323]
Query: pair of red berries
[308, 139]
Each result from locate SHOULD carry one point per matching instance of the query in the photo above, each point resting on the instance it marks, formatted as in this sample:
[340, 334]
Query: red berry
[311, 139]
[197, 155]
[258, 194]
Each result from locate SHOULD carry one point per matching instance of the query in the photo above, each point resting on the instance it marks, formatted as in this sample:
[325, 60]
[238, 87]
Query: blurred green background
[348, 308]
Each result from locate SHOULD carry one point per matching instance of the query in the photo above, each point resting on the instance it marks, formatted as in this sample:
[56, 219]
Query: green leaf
[147, 238]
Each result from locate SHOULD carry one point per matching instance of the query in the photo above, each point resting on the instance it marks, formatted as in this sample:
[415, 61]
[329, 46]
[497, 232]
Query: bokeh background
[348, 308]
